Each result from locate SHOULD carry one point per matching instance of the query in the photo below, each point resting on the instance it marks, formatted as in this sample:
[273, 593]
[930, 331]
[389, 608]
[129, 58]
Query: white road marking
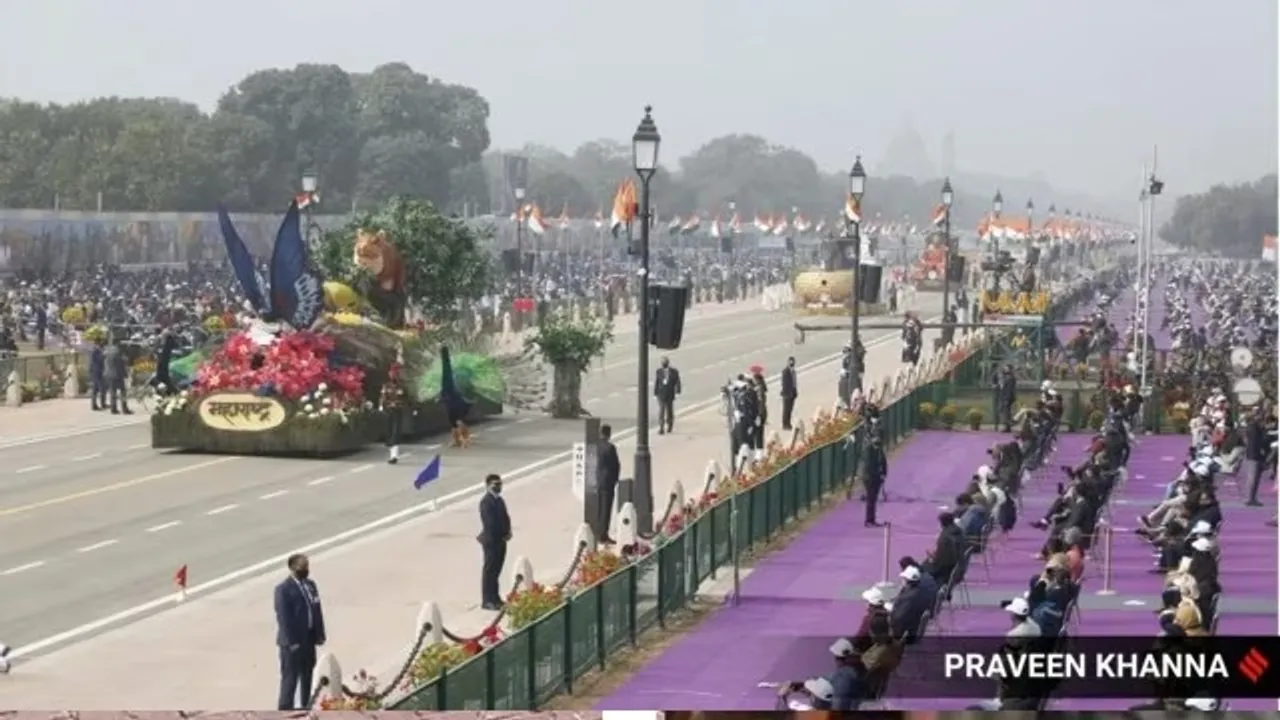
[164, 526]
[23, 568]
[224, 508]
[90, 456]
[30, 468]
[362, 468]
[321, 480]
[452, 499]
[275, 494]
[524, 420]
[138, 446]
[593, 400]
[97, 546]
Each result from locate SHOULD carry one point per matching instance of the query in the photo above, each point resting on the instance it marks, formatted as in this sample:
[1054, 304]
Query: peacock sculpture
[458, 380]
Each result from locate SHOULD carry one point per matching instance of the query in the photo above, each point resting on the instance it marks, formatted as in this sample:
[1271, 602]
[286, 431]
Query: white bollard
[522, 573]
[430, 613]
[71, 386]
[506, 326]
[13, 390]
[627, 525]
[327, 685]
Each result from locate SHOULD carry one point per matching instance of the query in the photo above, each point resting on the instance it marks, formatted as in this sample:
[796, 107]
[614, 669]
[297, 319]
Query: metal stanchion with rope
[886, 568]
[330, 686]
[1108, 535]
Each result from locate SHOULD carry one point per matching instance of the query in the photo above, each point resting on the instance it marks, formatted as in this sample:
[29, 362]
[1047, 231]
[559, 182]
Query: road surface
[98, 523]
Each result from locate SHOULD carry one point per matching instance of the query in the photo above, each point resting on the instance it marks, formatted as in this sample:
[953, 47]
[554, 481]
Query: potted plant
[1095, 420]
[1180, 421]
[974, 418]
[928, 411]
[947, 416]
[569, 347]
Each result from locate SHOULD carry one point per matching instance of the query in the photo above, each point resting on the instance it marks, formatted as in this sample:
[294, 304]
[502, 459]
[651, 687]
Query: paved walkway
[42, 419]
[798, 599]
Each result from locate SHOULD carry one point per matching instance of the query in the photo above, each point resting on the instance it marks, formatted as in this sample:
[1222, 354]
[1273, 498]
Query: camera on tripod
[1001, 263]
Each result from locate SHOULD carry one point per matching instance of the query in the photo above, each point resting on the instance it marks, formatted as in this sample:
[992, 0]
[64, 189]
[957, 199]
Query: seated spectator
[876, 625]
[1073, 551]
[1049, 596]
[910, 605]
[972, 517]
[847, 683]
[948, 549]
[928, 585]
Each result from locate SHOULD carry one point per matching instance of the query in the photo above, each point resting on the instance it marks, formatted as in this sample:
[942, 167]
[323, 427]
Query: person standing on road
[393, 407]
[116, 367]
[97, 378]
[789, 392]
[666, 387]
[495, 533]
[299, 631]
[608, 472]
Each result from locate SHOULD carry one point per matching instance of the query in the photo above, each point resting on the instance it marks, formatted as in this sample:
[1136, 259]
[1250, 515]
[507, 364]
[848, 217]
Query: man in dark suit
[948, 549]
[1257, 448]
[115, 370]
[299, 631]
[97, 378]
[608, 471]
[789, 392]
[874, 471]
[666, 386]
[495, 533]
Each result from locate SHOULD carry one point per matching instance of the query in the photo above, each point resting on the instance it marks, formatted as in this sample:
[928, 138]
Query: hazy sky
[1078, 91]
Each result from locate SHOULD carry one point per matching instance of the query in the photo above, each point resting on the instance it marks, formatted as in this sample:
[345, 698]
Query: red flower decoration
[295, 365]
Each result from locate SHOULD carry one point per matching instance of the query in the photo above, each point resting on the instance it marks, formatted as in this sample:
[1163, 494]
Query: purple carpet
[798, 600]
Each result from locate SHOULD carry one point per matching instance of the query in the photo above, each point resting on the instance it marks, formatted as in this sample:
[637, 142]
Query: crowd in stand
[1182, 529]
[51, 311]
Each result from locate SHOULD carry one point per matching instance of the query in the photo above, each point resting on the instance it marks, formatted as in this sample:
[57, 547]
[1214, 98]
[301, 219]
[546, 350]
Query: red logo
[523, 305]
[1254, 665]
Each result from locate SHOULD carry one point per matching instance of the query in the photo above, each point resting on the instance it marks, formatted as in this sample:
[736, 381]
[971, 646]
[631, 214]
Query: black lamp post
[997, 205]
[947, 198]
[519, 193]
[857, 186]
[644, 154]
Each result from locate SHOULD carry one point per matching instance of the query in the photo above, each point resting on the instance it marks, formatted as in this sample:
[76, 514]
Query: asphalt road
[98, 523]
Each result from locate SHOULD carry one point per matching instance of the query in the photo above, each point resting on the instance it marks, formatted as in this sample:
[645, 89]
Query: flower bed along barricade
[547, 657]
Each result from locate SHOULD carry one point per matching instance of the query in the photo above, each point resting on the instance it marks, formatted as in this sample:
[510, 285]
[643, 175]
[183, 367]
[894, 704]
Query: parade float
[930, 270]
[305, 375]
[828, 290]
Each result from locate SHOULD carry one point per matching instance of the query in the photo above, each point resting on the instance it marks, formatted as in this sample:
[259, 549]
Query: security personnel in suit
[299, 631]
[97, 378]
[608, 472]
[875, 468]
[789, 392]
[666, 386]
[495, 533]
[115, 370]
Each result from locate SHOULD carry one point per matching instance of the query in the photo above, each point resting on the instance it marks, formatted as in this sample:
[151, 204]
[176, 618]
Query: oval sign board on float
[242, 412]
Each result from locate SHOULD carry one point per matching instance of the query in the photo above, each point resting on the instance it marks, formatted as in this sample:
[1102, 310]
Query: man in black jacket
[874, 471]
[666, 387]
[1006, 387]
[299, 631]
[947, 549]
[495, 533]
[790, 392]
[1257, 448]
[608, 471]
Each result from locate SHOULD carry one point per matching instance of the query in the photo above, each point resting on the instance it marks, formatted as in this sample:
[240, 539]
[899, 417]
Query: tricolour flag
[674, 226]
[305, 199]
[599, 220]
[715, 231]
[691, 225]
[853, 209]
[1269, 248]
[536, 224]
[429, 474]
[939, 215]
[563, 221]
[624, 207]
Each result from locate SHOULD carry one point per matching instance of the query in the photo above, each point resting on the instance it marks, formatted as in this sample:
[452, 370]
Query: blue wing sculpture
[243, 266]
[297, 293]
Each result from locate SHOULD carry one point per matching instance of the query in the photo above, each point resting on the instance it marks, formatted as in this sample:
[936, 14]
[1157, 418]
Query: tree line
[1226, 219]
[391, 132]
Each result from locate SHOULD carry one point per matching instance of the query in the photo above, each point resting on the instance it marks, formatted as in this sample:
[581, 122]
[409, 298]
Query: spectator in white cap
[844, 689]
[875, 626]
[1023, 625]
[911, 603]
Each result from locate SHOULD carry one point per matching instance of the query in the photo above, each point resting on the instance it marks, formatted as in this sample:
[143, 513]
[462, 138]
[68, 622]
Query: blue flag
[429, 473]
